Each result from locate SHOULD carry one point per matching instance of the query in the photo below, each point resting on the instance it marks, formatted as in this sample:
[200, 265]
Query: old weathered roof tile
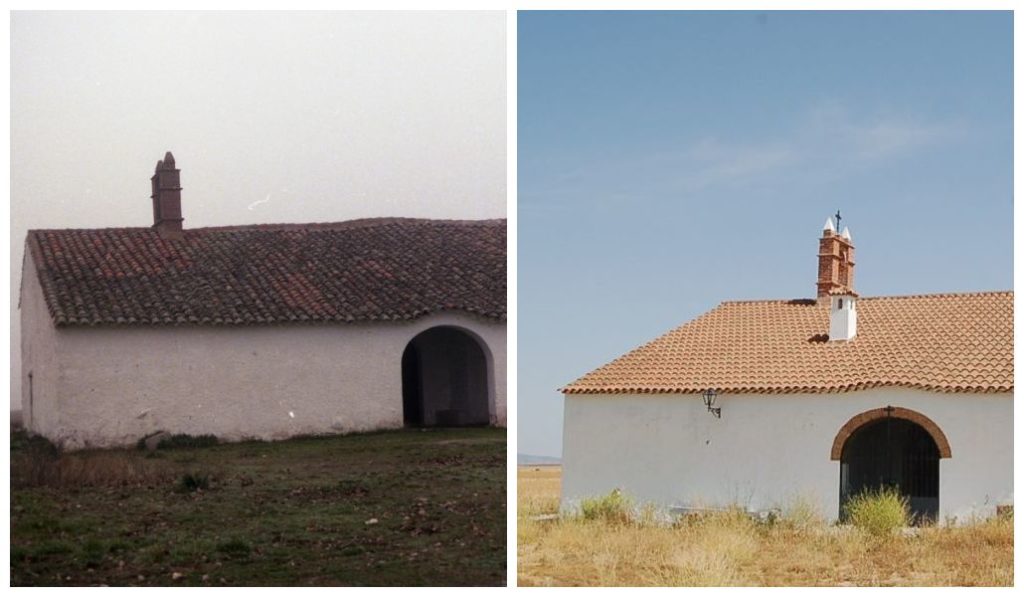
[362, 270]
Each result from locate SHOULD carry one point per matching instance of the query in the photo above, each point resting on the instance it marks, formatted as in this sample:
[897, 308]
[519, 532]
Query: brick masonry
[899, 413]
[835, 263]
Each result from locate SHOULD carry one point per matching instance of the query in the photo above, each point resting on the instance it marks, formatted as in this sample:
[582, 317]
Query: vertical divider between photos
[511, 208]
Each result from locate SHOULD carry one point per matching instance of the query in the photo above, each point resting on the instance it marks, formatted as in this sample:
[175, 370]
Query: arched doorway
[892, 447]
[445, 380]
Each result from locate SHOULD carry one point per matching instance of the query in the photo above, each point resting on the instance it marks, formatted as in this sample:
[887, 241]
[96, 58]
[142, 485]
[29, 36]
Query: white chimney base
[843, 317]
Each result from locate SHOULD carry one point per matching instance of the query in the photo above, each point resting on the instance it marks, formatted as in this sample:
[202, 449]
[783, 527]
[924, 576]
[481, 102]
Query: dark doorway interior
[444, 380]
[893, 452]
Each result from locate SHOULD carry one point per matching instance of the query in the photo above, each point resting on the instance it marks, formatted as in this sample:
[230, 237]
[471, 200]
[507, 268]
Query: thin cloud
[711, 162]
[894, 139]
[827, 144]
[872, 139]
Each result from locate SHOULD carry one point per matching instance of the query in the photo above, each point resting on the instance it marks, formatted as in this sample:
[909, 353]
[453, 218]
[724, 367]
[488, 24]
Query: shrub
[21, 441]
[32, 460]
[184, 440]
[615, 508]
[879, 512]
[191, 482]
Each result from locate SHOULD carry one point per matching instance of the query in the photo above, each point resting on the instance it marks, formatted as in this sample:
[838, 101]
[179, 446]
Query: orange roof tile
[940, 342]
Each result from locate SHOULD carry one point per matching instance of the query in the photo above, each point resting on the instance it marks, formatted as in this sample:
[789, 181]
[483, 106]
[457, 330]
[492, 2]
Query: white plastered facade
[767, 451]
[109, 386]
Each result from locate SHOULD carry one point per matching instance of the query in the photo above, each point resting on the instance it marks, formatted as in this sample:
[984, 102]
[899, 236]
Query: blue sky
[670, 161]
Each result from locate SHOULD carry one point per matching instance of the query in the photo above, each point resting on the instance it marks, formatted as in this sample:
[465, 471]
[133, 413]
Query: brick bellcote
[835, 262]
[166, 181]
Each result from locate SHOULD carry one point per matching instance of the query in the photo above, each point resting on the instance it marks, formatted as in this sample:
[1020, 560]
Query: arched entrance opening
[445, 380]
[892, 447]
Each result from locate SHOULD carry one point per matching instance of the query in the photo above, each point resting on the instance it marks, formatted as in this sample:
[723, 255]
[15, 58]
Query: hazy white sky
[272, 117]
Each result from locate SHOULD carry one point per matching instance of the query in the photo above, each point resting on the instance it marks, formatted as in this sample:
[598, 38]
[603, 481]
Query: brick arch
[895, 411]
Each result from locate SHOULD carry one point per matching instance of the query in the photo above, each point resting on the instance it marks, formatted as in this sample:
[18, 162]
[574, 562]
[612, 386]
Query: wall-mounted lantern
[709, 401]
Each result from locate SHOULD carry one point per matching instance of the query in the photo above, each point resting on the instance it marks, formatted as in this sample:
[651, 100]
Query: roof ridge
[801, 301]
[356, 223]
[812, 301]
[339, 225]
[939, 294]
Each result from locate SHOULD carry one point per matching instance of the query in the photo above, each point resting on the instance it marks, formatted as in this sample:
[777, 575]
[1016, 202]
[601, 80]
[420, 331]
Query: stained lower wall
[768, 450]
[115, 385]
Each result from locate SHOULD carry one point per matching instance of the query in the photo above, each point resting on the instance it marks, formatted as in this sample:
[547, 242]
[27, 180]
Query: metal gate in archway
[892, 448]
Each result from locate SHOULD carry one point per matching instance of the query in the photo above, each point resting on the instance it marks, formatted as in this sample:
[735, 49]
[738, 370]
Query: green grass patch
[92, 553]
[235, 548]
[52, 548]
[394, 508]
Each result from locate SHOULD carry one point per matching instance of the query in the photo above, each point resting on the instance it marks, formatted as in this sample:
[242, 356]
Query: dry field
[733, 550]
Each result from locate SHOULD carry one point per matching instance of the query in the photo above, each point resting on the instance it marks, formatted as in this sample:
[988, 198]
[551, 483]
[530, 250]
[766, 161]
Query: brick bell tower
[835, 281]
[835, 261]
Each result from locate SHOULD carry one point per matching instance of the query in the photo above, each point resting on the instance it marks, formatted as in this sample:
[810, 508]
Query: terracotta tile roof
[942, 342]
[362, 270]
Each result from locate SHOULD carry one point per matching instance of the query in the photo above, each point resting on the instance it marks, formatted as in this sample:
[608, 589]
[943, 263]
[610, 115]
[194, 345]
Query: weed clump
[184, 440]
[802, 514]
[614, 508]
[92, 553]
[192, 482]
[38, 463]
[235, 548]
[879, 512]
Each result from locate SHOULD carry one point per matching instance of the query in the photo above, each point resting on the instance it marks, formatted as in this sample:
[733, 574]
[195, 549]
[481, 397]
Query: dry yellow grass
[539, 488]
[36, 463]
[730, 549]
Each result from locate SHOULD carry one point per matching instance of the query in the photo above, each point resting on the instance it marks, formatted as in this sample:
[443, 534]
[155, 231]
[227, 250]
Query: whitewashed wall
[39, 357]
[110, 386]
[767, 450]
